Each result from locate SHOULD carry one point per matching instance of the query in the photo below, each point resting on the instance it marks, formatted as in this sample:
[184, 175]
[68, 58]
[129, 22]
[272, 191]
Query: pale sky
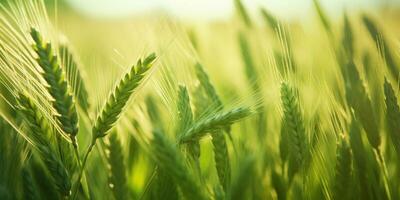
[216, 9]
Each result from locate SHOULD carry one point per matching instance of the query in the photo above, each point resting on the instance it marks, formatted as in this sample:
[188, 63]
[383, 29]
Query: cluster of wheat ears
[329, 135]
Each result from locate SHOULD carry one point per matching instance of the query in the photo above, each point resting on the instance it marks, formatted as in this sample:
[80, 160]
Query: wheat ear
[39, 134]
[58, 85]
[116, 166]
[293, 119]
[343, 170]
[392, 115]
[221, 154]
[74, 76]
[358, 98]
[185, 119]
[120, 96]
[115, 104]
[213, 123]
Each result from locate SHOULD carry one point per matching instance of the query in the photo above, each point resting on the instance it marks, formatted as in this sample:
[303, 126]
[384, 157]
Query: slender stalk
[85, 157]
[149, 183]
[385, 172]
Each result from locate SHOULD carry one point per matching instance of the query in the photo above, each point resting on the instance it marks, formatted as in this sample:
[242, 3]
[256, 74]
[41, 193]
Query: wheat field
[153, 107]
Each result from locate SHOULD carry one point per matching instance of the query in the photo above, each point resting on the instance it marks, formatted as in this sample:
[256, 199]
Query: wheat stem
[85, 157]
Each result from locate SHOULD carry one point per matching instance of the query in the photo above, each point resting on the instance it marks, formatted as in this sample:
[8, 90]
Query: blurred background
[221, 9]
[110, 34]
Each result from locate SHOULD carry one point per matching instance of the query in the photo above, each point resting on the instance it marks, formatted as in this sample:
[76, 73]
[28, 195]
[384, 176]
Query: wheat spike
[213, 123]
[221, 157]
[185, 119]
[164, 186]
[284, 141]
[207, 85]
[348, 38]
[323, 18]
[184, 111]
[358, 98]
[39, 134]
[248, 60]
[243, 13]
[392, 115]
[117, 175]
[292, 116]
[343, 170]
[120, 96]
[221, 154]
[29, 187]
[74, 76]
[382, 45]
[58, 85]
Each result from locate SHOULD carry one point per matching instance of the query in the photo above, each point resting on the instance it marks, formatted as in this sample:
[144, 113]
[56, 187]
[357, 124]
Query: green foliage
[191, 133]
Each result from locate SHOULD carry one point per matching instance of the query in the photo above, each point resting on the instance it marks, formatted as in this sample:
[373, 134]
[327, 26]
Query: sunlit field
[241, 100]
